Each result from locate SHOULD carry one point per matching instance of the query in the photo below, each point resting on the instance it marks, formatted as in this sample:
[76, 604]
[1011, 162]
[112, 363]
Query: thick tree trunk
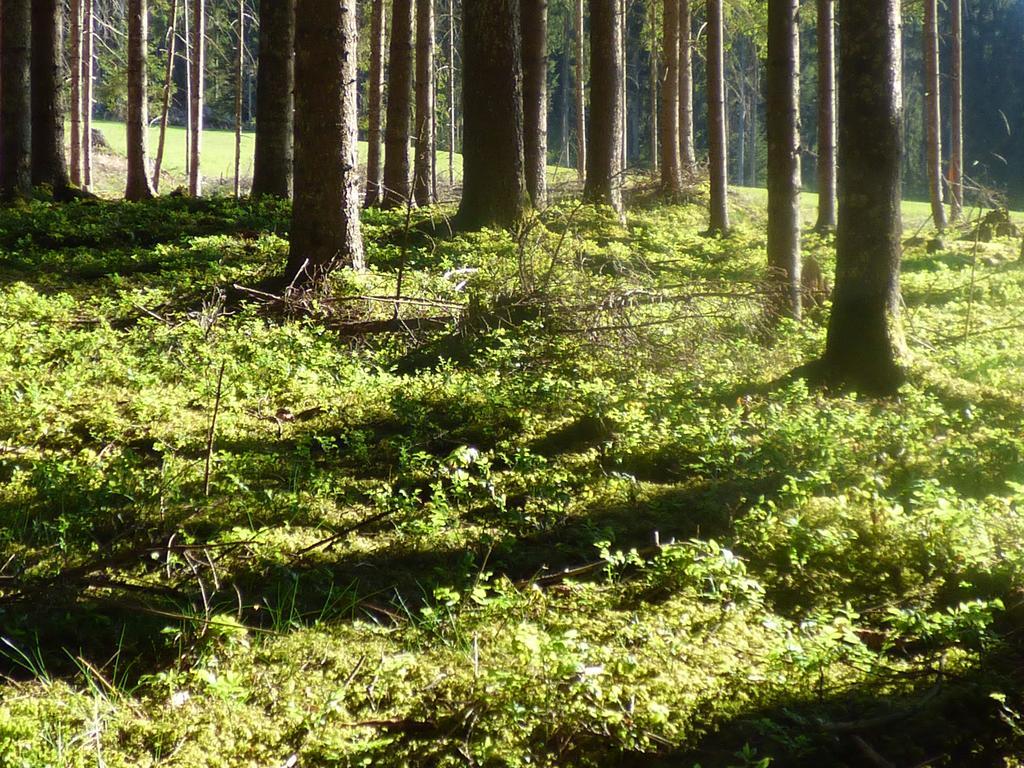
[581, 94]
[375, 99]
[956, 101]
[494, 175]
[423, 166]
[165, 110]
[239, 75]
[138, 186]
[865, 342]
[718, 152]
[687, 154]
[826, 117]
[397, 181]
[783, 126]
[49, 163]
[325, 217]
[15, 100]
[75, 63]
[88, 40]
[195, 169]
[275, 105]
[604, 135]
[933, 112]
[671, 171]
[535, 97]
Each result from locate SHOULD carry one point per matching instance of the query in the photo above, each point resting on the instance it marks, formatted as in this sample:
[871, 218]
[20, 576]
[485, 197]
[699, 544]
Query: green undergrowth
[562, 507]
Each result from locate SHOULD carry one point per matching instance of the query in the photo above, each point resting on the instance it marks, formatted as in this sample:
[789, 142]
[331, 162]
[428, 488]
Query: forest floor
[559, 505]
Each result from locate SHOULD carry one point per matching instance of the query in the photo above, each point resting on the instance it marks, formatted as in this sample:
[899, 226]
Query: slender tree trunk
[75, 62]
[717, 132]
[165, 110]
[494, 175]
[138, 186]
[15, 101]
[451, 92]
[623, 86]
[195, 172]
[783, 125]
[687, 153]
[239, 74]
[49, 163]
[604, 140]
[397, 181]
[671, 171]
[325, 229]
[933, 111]
[753, 123]
[275, 105]
[535, 97]
[565, 92]
[88, 41]
[826, 117]
[374, 170]
[424, 121]
[956, 134]
[581, 95]
[865, 343]
[187, 40]
[652, 72]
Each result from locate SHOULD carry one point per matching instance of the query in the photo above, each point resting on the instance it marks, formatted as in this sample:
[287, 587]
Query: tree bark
[623, 83]
[956, 134]
[604, 139]
[581, 95]
[783, 127]
[375, 98]
[452, 107]
[275, 105]
[195, 169]
[933, 112]
[423, 166]
[397, 182]
[325, 229]
[239, 75]
[535, 97]
[88, 40]
[138, 186]
[671, 171]
[15, 100]
[653, 126]
[718, 152]
[494, 175]
[826, 117]
[49, 163]
[165, 110]
[865, 342]
[687, 153]
[75, 62]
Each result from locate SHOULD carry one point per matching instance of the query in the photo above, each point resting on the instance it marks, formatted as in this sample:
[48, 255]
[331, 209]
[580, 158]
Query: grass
[377, 574]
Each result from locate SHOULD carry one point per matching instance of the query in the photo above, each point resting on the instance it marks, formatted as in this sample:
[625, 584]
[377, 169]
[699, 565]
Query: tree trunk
[826, 117]
[165, 110]
[88, 39]
[75, 62]
[623, 83]
[275, 105]
[564, 80]
[718, 157]
[956, 134]
[494, 175]
[581, 95]
[535, 97]
[753, 128]
[452, 107]
[933, 111]
[239, 75]
[652, 73]
[783, 126]
[671, 172]
[138, 186]
[49, 163]
[15, 100]
[865, 341]
[397, 181]
[604, 139]
[687, 154]
[187, 40]
[325, 229]
[195, 170]
[423, 166]
[374, 175]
